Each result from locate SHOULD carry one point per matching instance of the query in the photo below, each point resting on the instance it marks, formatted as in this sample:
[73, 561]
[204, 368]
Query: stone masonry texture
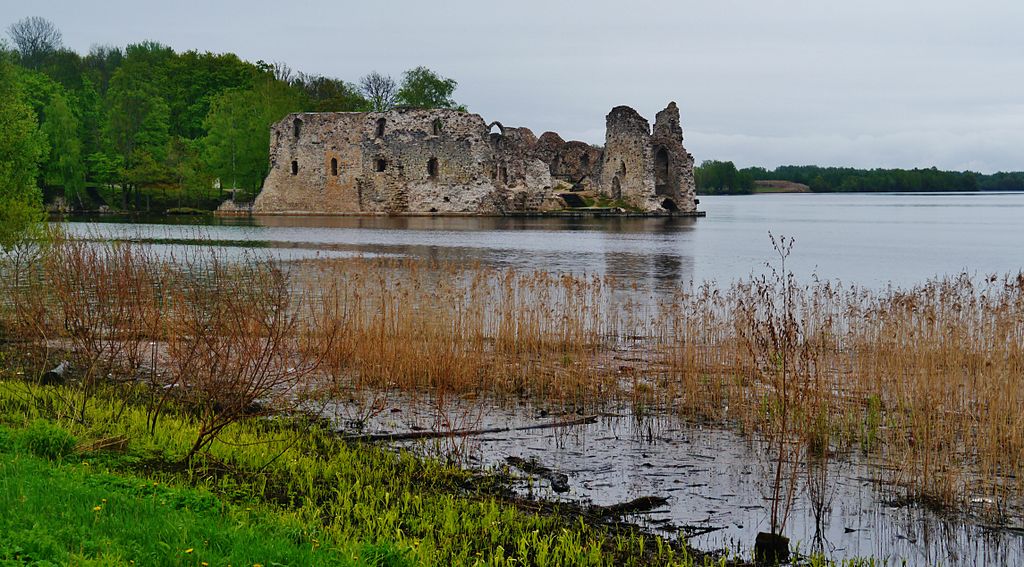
[416, 161]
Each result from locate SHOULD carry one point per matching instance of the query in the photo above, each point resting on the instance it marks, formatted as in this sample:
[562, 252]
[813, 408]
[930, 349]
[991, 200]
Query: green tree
[138, 122]
[236, 148]
[423, 88]
[721, 177]
[65, 166]
[22, 146]
[198, 77]
[332, 95]
[184, 159]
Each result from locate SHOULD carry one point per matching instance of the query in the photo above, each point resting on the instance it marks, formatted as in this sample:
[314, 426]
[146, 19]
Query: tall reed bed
[927, 378]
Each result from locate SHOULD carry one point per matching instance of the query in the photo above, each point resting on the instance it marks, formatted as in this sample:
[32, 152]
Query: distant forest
[145, 127]
[723, 178]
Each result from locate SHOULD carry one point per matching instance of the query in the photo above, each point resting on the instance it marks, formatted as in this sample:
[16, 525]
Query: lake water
[869, 239]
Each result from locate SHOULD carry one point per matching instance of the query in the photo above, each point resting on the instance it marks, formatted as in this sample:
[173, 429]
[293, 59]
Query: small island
[448, 161]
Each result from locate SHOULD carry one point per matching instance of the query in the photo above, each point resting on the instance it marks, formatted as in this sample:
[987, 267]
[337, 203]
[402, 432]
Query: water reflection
[869, 239]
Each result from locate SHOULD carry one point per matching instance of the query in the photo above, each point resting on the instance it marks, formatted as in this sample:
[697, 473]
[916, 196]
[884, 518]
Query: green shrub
[44, 439]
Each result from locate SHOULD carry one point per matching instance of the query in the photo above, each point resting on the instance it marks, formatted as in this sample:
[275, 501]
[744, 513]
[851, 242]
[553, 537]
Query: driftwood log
[635, 506]
[412, 435]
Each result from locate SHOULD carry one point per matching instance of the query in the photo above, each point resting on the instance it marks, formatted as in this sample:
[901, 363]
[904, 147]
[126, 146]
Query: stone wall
[627, 162]
[410, 161]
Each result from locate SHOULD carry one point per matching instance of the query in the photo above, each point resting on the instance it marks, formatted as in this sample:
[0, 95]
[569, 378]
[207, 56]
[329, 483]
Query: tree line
[722, 177]
[146, 127]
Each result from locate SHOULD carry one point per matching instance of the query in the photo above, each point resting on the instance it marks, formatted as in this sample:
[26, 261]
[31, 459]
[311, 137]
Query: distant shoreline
[780, 186]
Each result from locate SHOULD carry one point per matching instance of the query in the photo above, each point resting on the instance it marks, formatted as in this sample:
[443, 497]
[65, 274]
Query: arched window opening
[334, 166]
[380, 165]
[662, 171]
[380, 126]
[495, 131]
[297, 127]
[436, 127]
[622, 169]
[432, 168]
[295, 167]
[669, 205]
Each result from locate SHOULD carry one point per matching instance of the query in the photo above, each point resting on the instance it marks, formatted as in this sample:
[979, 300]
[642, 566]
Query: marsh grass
[926, 378]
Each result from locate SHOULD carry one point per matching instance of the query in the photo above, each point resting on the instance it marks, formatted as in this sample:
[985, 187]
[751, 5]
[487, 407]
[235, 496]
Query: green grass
[267, 482]
[66, 513]
[603, 202]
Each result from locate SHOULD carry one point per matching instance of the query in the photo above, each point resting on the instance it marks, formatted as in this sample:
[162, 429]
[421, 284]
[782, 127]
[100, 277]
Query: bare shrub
[235, 342]
[106, 308]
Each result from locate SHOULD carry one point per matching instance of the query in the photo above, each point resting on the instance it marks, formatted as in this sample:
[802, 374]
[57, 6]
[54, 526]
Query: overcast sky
[873, 83]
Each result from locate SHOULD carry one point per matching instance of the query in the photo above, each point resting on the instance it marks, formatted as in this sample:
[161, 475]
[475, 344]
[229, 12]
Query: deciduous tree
[423, 88]
[22, 147]
[35, 38]
[380, 90]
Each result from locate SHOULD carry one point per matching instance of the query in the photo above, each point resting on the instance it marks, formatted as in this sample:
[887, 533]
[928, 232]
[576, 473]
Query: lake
[869, 239]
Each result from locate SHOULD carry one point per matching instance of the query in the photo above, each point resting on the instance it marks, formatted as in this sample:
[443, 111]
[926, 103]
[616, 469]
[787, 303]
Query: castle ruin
[416, 161]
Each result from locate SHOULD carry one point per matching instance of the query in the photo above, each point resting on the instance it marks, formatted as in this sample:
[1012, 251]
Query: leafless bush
[235, 342]
[106, 308]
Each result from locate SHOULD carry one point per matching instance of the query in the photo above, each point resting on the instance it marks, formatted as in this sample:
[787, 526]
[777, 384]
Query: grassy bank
[68, 512]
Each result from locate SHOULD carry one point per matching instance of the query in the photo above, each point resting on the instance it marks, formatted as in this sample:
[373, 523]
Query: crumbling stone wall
[627, 171]
[446, 161]
[673, 165]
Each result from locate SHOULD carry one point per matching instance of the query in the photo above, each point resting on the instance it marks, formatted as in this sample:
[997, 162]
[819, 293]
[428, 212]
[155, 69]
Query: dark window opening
[616, 188]
[334, 166]
[436, 127]
[297, 127]
[380, 165]
[661, 168]
[432, 168]
[380, 127]
[295, 168]
[669, 205]
[585, 160]
[622, 169]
